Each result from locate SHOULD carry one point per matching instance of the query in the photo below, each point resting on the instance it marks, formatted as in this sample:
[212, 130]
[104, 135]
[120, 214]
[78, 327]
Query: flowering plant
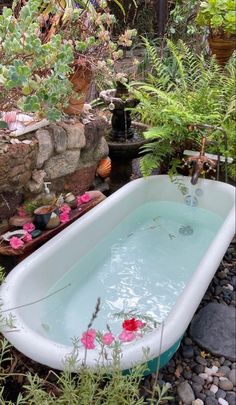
[42, 46]
[132, 329]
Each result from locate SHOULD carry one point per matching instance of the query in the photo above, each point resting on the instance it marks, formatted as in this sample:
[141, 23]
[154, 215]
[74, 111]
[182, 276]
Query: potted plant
[220, 17]
[45, 48]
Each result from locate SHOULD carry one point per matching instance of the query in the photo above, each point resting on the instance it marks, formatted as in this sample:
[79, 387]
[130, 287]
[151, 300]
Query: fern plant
[184, 101]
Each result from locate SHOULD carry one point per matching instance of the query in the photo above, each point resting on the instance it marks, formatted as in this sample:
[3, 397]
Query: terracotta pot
[81, 80]
[222, 48]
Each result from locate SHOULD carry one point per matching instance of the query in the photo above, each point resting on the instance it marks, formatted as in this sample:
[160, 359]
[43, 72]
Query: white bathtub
[32, 279]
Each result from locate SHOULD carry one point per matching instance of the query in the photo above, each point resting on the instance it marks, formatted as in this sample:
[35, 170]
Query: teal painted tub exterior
[155, 364]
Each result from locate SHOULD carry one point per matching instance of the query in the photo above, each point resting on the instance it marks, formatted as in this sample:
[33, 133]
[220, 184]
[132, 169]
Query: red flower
[132, 325]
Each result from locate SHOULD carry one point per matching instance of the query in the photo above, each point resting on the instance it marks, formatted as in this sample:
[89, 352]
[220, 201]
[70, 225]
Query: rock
[225, 384]
[187, 352]
[211, 401]
[185, 393]
[197, 379]
[220, 394]
[198, 368]
[213, 328]
[229, 287]
[196, 388]
[214, 388]
[201, 360]
[204, 376]
[75, 135]
[231, 398]
[224, 370]
[198, 402]
[232, 376]
[211, 371]
[222, 401]
[188, 341]
[36, 184]
[101, 150]
[45, 146]
[233, 281]
[62, 164]
[59, 138]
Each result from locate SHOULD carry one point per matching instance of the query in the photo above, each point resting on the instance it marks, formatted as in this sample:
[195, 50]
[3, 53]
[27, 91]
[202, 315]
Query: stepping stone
[214, 329]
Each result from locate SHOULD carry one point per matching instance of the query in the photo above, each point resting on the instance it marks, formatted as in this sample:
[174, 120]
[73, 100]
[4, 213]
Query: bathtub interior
[36, 275]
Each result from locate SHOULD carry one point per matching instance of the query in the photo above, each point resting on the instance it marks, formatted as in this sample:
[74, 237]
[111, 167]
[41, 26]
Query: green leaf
[3, 125]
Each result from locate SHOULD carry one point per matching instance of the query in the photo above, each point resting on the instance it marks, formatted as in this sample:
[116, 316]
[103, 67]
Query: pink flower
[22, 212]
[126, 336]
[108, 338]
[27, 237]
[65, 209]
[132, 324]
[29, 227]
[64, 217]
[88, 338]
[16, 243]
[83, 198]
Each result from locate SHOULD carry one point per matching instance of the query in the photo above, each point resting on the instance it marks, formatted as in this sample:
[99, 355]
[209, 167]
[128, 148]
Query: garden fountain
[124, 139]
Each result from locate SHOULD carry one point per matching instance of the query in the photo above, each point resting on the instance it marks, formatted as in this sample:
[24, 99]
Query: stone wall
[65, 154]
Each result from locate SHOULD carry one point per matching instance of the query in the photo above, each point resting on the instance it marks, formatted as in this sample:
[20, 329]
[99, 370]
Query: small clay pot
[46, 217]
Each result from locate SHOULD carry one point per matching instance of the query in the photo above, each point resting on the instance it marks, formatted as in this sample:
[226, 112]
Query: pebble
[198, 369]
[225, 370]
[198, 402]
[201, 360]
[220, 394]
[197, 379]
[186, 393]
[229, 287]
[225, 384]
[204, 376]
[231, 398]
[197, 388]
[214, 388]
[211, 401]
[222, 401]
[211, 371]
[187, 352]
[232, 376]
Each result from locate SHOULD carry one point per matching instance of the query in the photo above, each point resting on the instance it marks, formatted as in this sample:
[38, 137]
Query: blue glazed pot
[46, 217]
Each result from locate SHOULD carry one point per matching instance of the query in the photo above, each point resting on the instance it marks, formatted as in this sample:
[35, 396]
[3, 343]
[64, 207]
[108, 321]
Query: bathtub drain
[186, 230]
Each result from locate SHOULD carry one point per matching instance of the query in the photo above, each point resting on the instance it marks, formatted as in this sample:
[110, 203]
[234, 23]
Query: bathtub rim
[132, 353]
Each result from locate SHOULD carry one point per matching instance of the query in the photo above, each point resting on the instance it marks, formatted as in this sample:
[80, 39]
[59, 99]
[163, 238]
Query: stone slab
[214, 329]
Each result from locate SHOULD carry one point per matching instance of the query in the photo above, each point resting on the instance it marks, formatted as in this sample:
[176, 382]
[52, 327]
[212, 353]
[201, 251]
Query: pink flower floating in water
[16, 243]
[83, 198]
[88, 339]
[27, 237]
[29, 227]
[108, 338]
[64, 217]
[127, 336]
[65, 209]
